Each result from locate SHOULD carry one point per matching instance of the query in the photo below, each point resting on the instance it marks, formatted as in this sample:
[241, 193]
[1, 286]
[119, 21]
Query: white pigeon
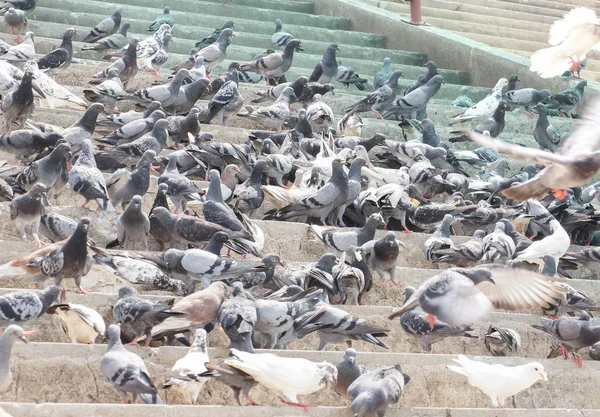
[81, 324]
[555, 245]
[190, 365]
[485, 107]
[288, 376]
[56, 94]
[571, 38]
[499, 381]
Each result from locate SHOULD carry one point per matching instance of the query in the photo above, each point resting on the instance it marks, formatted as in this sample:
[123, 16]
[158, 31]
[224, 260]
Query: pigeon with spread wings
[575, 162]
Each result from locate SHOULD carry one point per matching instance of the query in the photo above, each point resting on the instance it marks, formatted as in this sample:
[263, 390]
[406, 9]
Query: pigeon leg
[560, 194]
[431, 319]
[564, 351]
[377, 114]
[578, 360]
[29, 333]
[250, 400]
[576, 63]
[154, 72]
[134, 342]
[298, 404]
[19, 38]
[406, 230]
[81, 290]
[84, 205]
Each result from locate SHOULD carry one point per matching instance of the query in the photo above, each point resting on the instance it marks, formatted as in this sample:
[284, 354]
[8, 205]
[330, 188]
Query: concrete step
[109, 410]
[71, 373]
[517, 10]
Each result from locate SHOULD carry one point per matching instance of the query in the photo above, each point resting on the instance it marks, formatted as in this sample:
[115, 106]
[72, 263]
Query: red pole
[415, 13]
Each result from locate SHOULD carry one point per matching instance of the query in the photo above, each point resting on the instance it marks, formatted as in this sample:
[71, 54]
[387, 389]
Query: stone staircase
[520, 27]
[65, 379]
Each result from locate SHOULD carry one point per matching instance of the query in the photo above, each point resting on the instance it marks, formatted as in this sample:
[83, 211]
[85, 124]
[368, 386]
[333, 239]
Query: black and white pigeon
[123, 184]
[327, 69]
[502, 341]
[46, 170]
[57, 227]
[24, 306]
[70, 260]
[105, 28]
[115, 41]
[498, 245]
[155, 140]
[180, 188]
[127, 65]
[382, 254]
[349, 281]
[133, 130]
[125, 370]
[346, 76]
[86, 179]
[413, 104]
[439, 240]
[133, 225]
[59, 59]
[338, 241]
[492, 126]
[462, 297]
[348, 372]
[137, 316]
[237, 317]
[26, 211]
[374, 391]
[18, 105]
[226, 102]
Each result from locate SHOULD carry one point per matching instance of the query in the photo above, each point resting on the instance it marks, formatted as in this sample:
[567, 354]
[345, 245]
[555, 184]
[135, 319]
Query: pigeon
[414, 103]
[525, 97]
[350, 281]
[273, 372]
[59, 59]
[566, 100]
[180, 189]
[10, 336]
[108, 92]
[439, 240]
[485, 107]
[502, 342]
[498, 245]
[56, 226]
[492, 126]
[127, 65]
[25, 306]
[346, 76]
[576, 163]
[193, 363]
[212, 37]
[27, 210]
[382, 255]
[105, 28]
[379, 99]
[499, 381]
[384, 74]
[554, 245]
[239, 381]
[463, 254]
[130, 116]
[16, 19]
[280, 38]
[249, 196]
[155, 140]
[53, 94]
[137, 315]
[133, 130]
[86, 179]
[133, 225]
[463, 100]
[165, 93]
[238, 317]
[123, 185]
[81, 324]
[572, 38]
[46, 170]
[165, 18]
[125, 370]
[115, 41]
[214, 208]
[70, 260]
[227, 102]
[214, 54]
[544, 133]
[348, 371]
[338, 241]
[423, 79]
[25, 5]
[319, 114]
[19, 54]
[275, 115]
[374, 391]
[183, 128]
[478, 290]
[18, 105]
[327, 68]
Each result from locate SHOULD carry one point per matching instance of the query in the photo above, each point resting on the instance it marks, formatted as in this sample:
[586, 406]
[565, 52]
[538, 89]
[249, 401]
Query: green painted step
[291, 6]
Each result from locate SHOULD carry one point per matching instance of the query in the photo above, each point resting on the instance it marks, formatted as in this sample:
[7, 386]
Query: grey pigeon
[502, 342]
[24, 306]
[133, 130]
[18, 105]
[130, 116]
[382, 255]
[165, 93]
[348, 371]
[108, 92]
[180, 188]
[59, 59]
[27, 210]
[157, 230]
[184, 128]
[566, 100]
[133, 225]
[127, 65]
[322, 202]
[354, 189]
[431, 72]
[571, 335]
[346, 76]
[374, 391]
[70, 260]
[439, 240]
[273, 66]
[415, 324]
[544, 133]
[237, 317]
[57, 227]
[280, 38]
[162, 56]
[478, 290]
[16, 19]
[138, 316]
[10, 336]
[226, 102]
[340, 241]
[253, 279]
[249, 195]
[349, 281]
[379, 99]
[462, 254]
[215, 53]
[123, 184]
[214, 209]
[85, 127]
[164, 18]
[125, 370]
[463, 99]
[275, 115]
[239, 381]
[430, 136]
[155, 140]
[25, 5]
[114, 41]
[327, 68]
[525, 97]
[320, 276]
[24, 143]
[188, 95]
[18, 55]
[384, 74]
[498, 245]
[47, 170]
[414, 102]
[105, 28]
[351, 142]
[212, 37]
[86, 179]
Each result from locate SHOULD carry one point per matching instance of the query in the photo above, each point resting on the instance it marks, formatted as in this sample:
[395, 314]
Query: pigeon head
[15, 333]
[535, 371]
[502, 105]
[333, 47]
[272, 260]
[61, 150]
[69, 33]
[436, 81]
[350, 355]
[166, 10]
[366, 403]
[198, 62]
[386, 61]
[200, 342]
[181, 75]
[220, 237]
[581, 84]
[127, 291]
[135, 204]
[49, 295]
[163, 215]
[544, 94]
[394, 77]
[113, 73]
[83, 225]
[463, 91]
[38, 190]
[378, 139]
[236, 288]
[390, 236]
[329, 373]
[162, 189]
[549, 268]
[288, 92]
[228, 25]
[329, 88]
[147, 158]
[430, 65]
[172, 257]
[355, 168]
[28, 76]
[226, 34]
[479, 234]
[124, 28]
[114, 334]
[327, 262]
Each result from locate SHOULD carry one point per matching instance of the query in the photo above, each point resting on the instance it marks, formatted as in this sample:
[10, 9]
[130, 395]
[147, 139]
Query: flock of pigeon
[305, 167]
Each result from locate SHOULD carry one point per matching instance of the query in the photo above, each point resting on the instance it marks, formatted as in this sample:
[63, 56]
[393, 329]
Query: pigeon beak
[26, 335]
[152, 216]
[543, 376]
[281, 263]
